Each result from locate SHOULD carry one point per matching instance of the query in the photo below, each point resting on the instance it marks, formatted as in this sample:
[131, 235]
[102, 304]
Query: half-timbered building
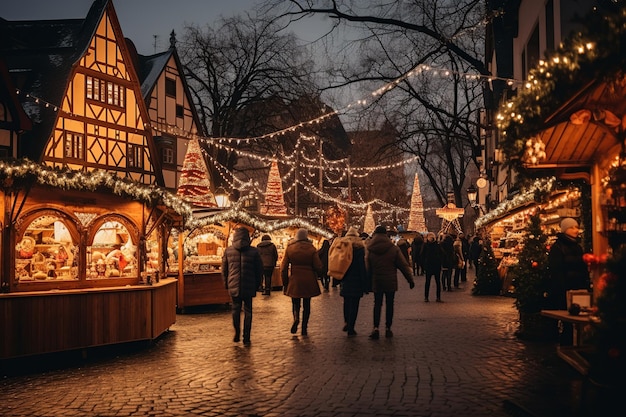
[85, 209]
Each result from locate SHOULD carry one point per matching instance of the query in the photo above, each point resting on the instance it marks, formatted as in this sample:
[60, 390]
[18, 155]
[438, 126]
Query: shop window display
[112, 253]
[46, 251]
[203, 250]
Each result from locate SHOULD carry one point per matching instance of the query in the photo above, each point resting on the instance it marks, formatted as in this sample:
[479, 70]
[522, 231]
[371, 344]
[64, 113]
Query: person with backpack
[354, 282]
[300, 269]
[382, 260]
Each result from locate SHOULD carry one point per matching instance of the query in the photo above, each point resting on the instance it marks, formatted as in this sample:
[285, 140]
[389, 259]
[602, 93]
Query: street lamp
[222, 198]
[472, 194]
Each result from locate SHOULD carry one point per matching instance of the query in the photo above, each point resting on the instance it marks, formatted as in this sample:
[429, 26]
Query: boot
[296, 319]
[305, 322]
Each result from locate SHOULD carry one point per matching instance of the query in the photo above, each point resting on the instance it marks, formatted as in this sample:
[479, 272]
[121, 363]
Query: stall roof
[580, 131]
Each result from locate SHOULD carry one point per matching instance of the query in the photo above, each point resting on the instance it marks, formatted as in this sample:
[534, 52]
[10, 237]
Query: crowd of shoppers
[373, 267]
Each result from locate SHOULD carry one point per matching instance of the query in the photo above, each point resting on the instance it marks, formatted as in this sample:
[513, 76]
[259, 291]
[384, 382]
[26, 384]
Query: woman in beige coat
[300, 268]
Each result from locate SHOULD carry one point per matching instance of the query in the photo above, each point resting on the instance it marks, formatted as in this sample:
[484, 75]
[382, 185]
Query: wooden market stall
[200, 277]
[78, 271]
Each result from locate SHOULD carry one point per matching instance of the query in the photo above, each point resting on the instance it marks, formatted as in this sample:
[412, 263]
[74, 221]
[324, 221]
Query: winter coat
[416, 248]
[242, 268]
[431, 257]
[458, 252]
[300, 281]
[568, 271]
[475, 249]
[383, 259]
[448, 261]
[269, 253]
[404, 246]
[323, 254]
[355, 282]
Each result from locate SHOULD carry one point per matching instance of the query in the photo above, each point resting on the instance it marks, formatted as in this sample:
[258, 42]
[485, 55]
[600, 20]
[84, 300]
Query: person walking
[269, 256]
[459, 260]
[300, 268]
[404, 246]
[323, 254]
[382, 261]
[355, 281]
[568, 271]
[476, 247]
[242, 271]
[431, 260]
[448, 261]
[416, 250]
[465, 247]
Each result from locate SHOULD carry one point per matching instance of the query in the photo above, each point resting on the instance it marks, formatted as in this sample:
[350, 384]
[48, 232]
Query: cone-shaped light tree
[417, 223]
[274, 200]
[195, 182]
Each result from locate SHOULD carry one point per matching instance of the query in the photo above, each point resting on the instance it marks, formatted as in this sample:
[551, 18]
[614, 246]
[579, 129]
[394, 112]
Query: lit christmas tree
[416, 214]
[487, 281]
[274, 201]
[369, 224]
[195, 182]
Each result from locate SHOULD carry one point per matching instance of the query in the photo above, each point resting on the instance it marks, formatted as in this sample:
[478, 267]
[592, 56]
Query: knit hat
[302, 234]
[568, 223]
[352, 232]
[380, 229]
[266, 237]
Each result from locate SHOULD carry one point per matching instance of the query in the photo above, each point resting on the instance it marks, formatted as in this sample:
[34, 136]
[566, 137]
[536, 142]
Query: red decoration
[535, 264]
[195, 183]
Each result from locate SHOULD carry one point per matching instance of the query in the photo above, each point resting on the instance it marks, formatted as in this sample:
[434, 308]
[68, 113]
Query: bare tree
[241, 64]
[431, 53]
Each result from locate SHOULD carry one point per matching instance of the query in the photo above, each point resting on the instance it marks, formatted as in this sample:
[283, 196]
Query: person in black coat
[242, 270]
[568, 271]
[355, 282]
[431, 261]
[448, 261]
[323, 254]
[416, 250]
[269, 256]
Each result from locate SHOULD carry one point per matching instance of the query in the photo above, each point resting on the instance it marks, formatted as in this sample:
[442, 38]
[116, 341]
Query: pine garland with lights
[487, 281]
[21, 173]
[596, 53]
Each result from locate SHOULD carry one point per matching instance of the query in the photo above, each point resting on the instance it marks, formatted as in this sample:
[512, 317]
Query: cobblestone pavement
[457, 358]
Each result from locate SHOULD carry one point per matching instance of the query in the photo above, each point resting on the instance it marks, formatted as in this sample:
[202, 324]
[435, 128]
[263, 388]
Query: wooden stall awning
[583, 130]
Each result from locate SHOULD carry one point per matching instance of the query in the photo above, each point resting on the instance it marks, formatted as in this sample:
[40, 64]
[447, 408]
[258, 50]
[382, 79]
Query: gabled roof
[40, 56]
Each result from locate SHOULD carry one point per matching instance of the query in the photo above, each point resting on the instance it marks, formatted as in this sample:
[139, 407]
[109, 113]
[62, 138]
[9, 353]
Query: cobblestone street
[457, 358]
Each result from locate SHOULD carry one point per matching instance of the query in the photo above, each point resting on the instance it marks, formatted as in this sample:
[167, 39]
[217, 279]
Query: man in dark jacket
[382, 260]
[431, 260]
[269, 256]
[242, 270]
[416, 250]
[568, 271]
